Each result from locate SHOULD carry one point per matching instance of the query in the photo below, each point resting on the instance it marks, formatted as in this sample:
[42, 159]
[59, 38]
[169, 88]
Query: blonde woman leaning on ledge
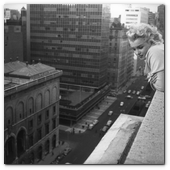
[147, 44]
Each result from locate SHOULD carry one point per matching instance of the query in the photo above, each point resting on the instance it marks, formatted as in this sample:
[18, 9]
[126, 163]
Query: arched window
[20, 111]
[10, 150]
[47, 98]
[21, 142]
[8, 117]
[38, 104]
[30, 108]
[54, 94]
[39, 153]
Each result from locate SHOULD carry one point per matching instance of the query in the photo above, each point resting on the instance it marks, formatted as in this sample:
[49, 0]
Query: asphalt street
[83, 144]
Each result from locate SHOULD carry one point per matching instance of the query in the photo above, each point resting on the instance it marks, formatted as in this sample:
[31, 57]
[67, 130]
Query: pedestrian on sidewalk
[147, 44]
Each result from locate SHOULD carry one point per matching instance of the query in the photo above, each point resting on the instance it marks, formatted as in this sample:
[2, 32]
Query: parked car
[124, 91]
[121, 103]
[60, 157]
[129, 97]
[67, 150]
[104, 129]
[95, 122]
[110, 113]
[147, 96]
[129, 91]
[91, 125]
[109, 122]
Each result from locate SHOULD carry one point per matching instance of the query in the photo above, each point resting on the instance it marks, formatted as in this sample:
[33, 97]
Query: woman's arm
[157, 81]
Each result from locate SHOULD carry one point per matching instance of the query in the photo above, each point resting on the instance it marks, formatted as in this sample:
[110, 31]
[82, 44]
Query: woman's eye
[140, 47]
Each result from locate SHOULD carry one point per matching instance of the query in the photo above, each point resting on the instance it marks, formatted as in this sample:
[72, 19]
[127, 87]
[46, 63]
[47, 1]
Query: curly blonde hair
[145, 31]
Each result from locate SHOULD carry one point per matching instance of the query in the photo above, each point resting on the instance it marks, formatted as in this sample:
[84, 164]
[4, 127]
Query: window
[39, 134]
[30, 124]
[47, 114]
[39, 119]
[54, 109]
[46, 128]
[30, 140]
[53, 123]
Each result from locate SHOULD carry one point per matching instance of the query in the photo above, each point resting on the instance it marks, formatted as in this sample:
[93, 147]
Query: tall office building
[120, 64]
[72, 38]
[135, 16]
[75, 39]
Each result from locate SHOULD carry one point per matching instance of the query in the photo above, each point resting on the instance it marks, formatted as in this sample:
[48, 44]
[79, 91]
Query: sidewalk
[51, 157]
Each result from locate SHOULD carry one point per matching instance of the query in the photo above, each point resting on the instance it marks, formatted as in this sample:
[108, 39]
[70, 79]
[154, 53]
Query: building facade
[15, 36]
[31, 112]
[120, 64]
[135, 16]
[151, 19]
[73, 38]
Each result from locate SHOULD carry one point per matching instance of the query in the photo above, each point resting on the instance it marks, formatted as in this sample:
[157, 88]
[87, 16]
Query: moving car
[142, 87]
[110, 113]
[121, 103]
[142, 97]
[129, 97]
[138, 92]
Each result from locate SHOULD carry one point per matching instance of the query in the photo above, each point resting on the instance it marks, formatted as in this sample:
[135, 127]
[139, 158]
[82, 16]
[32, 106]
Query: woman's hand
[153, 78]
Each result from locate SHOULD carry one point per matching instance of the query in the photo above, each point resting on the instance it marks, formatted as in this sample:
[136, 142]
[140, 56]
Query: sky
[116, 9]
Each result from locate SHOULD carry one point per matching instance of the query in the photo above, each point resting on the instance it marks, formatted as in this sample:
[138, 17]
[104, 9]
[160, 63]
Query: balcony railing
[133, 139]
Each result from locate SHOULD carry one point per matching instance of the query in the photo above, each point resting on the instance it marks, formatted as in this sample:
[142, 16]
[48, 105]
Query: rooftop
[20, 74]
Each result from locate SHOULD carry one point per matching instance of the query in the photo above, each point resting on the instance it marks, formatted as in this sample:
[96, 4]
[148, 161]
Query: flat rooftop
[75, 96]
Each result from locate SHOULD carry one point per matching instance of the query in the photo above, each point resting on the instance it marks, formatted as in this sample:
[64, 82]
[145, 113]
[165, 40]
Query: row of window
[37, 135]
[39, 118]
[14, 115]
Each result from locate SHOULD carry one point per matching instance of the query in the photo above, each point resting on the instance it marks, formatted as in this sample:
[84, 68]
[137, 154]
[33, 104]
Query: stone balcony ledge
[134, 139]
[148, 146]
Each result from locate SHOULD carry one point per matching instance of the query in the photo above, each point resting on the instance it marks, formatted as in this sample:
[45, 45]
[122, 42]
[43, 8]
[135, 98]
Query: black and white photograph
[84, 83]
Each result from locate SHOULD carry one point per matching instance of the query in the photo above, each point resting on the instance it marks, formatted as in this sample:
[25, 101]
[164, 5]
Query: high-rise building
[135, 16]
[31, 112]
[15, 36]
[151, 19]
[120, 64]
[73, 38]
[161, 20]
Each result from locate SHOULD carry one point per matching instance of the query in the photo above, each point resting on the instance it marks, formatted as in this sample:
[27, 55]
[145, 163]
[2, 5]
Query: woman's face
[141, 50]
